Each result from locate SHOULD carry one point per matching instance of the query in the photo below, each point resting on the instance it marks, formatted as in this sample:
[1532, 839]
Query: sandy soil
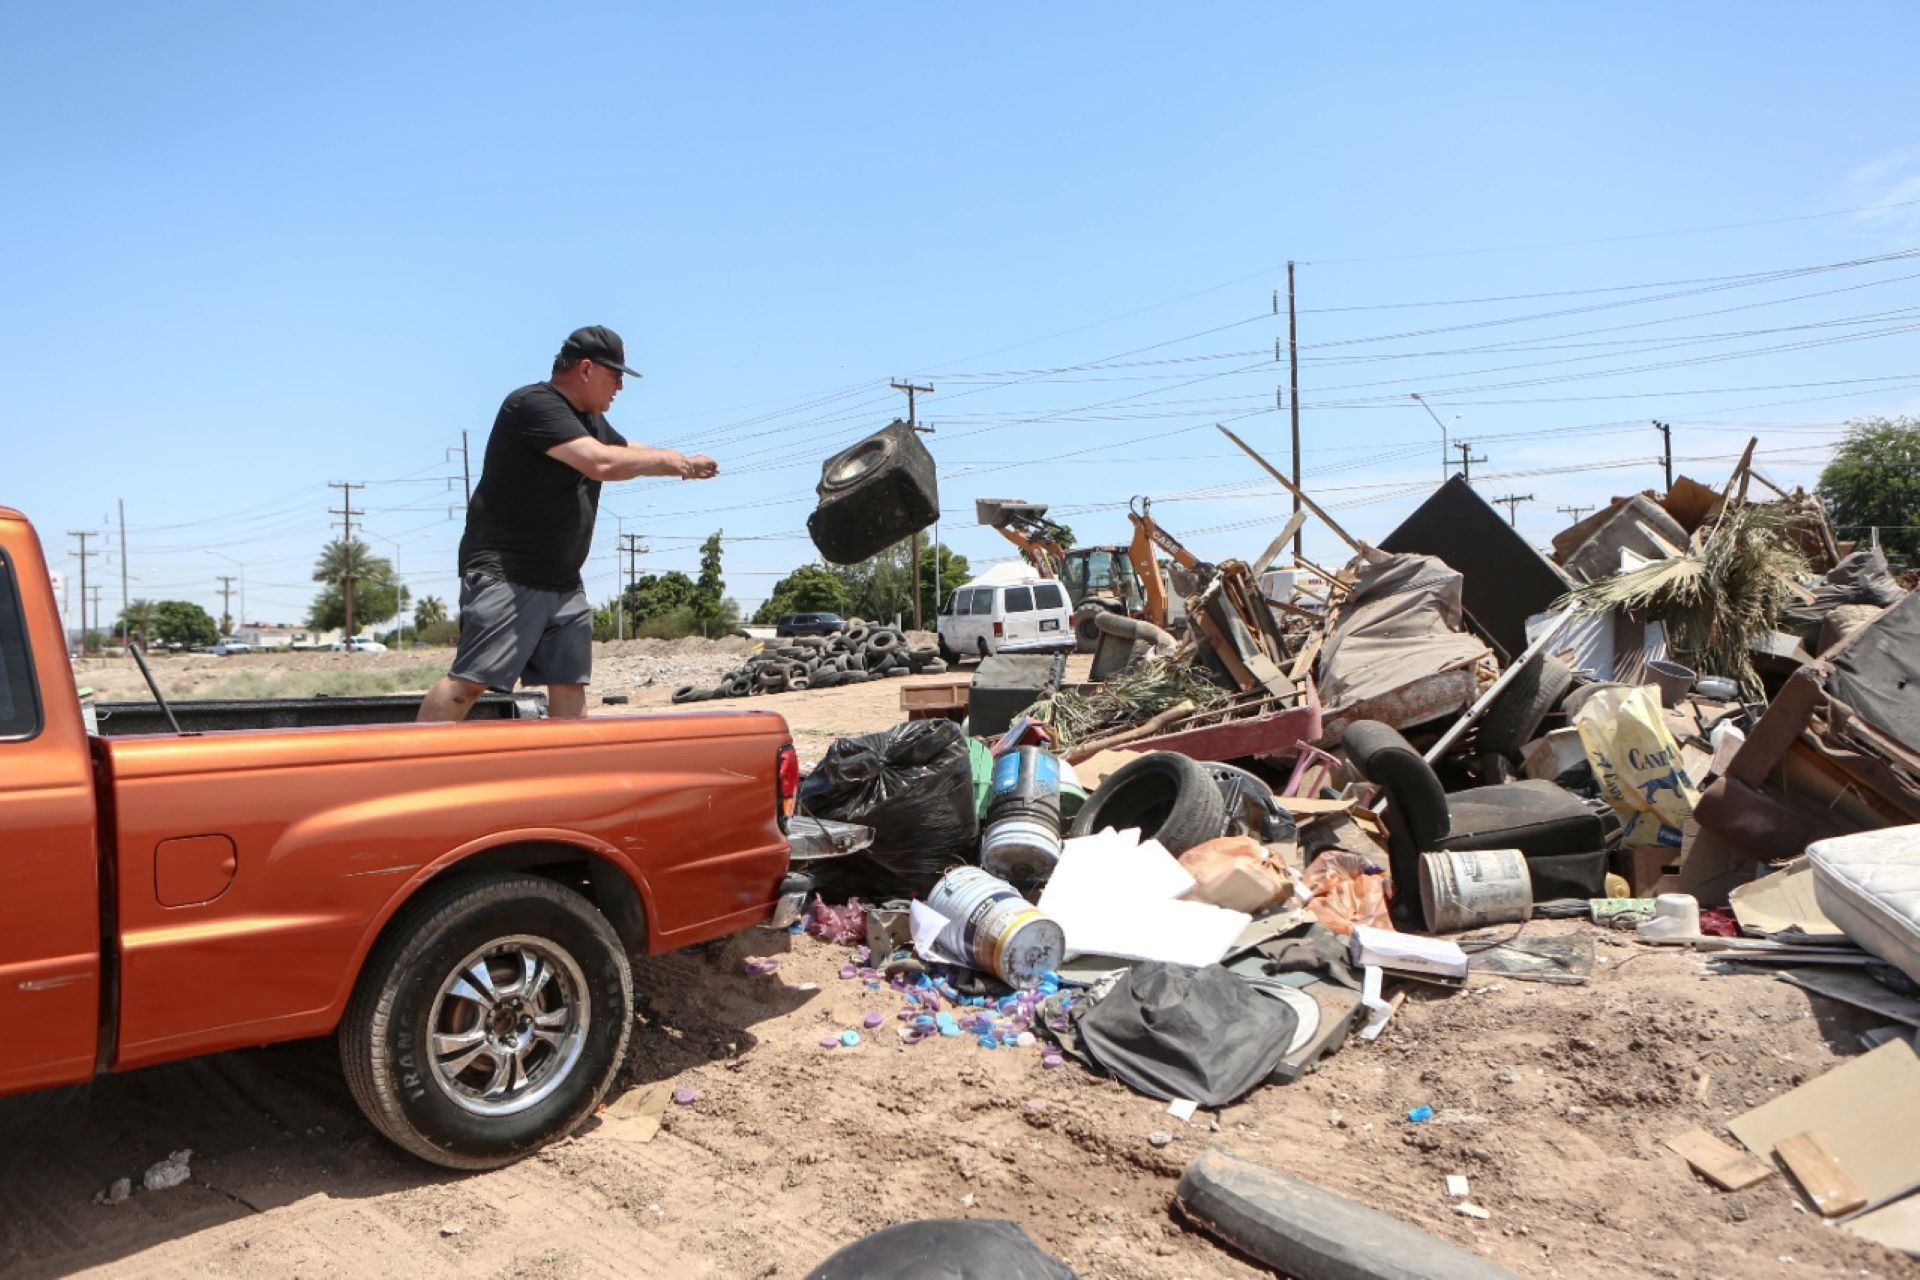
[1552, 1100]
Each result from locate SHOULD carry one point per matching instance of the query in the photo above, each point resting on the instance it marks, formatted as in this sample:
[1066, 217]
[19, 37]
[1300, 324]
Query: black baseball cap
[599, 344]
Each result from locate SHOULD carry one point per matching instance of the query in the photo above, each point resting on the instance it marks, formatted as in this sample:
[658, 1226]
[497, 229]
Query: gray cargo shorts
[510, 633]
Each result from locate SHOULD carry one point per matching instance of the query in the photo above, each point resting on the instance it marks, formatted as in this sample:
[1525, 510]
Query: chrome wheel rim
[507, 1025]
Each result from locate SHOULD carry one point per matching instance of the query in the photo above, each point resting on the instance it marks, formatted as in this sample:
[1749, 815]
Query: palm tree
[430, 611]
[343, 563]
[138, 619]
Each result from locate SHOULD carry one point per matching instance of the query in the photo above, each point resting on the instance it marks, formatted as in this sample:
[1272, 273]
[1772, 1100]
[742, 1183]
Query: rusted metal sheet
[1276, 734]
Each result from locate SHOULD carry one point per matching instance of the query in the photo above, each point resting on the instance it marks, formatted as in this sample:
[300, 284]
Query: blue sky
[254, 249]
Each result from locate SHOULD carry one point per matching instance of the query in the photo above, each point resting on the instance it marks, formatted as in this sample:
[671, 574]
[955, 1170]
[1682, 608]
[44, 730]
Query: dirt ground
[1552, 1101]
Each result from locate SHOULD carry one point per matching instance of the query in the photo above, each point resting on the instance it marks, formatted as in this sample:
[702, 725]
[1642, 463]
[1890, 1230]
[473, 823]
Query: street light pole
[400, 583]
[1446, 466]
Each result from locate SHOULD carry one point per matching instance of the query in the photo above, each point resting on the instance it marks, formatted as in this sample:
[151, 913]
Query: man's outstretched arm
[599, 461]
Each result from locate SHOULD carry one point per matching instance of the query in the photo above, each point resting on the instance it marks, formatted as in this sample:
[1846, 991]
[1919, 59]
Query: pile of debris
[1233, 851]
[860, 652]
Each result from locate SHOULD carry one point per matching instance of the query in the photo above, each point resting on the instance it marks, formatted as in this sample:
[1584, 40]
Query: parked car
[1023, 617]
[457, 904]
[358, 644]
[227, 646]
[809, 624]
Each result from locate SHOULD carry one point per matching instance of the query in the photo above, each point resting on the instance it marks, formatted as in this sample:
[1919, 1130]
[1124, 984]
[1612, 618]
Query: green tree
[1874, 481]
[710, 592]
[812, 588]
[879, 588]
[137, 620]
[378, 593]
[654, 596]
[184, 623]
[430, 611]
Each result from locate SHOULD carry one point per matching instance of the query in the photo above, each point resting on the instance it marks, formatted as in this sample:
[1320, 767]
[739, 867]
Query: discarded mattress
[1869, 885]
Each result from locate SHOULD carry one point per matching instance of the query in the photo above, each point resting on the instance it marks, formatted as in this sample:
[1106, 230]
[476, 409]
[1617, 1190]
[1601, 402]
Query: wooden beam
[1290, 487]
[1279, 544]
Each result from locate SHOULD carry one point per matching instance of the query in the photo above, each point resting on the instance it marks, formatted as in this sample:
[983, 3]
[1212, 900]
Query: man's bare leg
[449, 700]
[566, 701]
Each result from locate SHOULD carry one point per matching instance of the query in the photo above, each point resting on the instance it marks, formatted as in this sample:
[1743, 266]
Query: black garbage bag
[944, 1249]
[913, 784]
[1171, 1031]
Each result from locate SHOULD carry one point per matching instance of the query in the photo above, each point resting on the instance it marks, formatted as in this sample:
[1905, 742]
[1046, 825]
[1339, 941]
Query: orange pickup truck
[456, 903]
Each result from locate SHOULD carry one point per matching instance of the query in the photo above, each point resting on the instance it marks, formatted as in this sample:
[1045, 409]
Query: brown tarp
[1396, 652]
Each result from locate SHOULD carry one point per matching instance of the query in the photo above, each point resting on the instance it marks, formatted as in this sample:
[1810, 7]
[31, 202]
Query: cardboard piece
[1858, 990]
[1897, 1226]
[1728, 1168]
[1814, 1166]
[634, 1116]
[1783, 903]
[1868, 1111]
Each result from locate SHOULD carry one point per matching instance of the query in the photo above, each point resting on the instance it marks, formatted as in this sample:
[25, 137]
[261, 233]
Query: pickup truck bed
[457, 903]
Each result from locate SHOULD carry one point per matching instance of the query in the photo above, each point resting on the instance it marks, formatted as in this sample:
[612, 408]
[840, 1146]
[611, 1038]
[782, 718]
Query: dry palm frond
[1718, 599]
[1133, 697]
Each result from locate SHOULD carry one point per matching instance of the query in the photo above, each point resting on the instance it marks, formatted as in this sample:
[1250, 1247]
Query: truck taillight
[999, 629]
[786, 770]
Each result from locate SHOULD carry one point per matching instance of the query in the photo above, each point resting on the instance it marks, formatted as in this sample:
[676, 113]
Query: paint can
[1464, 889]
[997, 929]
[1022, 836]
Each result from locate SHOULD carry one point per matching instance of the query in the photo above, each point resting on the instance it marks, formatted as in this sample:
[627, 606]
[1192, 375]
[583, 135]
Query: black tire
[825, 679]
[935, 666]
[985, 652]
[1167, 795]
[1086, 632]
[685, 693]
[948, 654]
[406, 992]
[855, 635]
[885, 641]
[740, 687]
[1515, 716]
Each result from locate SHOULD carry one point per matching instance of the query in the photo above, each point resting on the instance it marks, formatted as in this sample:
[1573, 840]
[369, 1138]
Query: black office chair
[1563, 840]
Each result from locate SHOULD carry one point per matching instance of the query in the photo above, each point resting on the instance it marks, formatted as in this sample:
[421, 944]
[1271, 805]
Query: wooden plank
[1814, 1166]
[1728, 1168]
[1304, 663]
[1868, 1111]
[1224, 648]
[1278, 544]
[1278, 734]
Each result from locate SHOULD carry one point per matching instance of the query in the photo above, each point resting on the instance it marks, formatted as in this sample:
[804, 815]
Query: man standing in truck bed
[524, 616]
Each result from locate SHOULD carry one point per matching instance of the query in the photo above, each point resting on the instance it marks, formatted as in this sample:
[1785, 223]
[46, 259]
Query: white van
[1034, 616]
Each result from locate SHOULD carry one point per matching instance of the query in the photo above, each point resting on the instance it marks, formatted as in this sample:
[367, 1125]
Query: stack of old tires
[861, 652]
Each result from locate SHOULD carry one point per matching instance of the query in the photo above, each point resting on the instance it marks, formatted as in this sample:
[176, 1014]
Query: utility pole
[913, 424]
[226, 604]
[1293, 396]
[1466, 462]
[466, 477]
[97, 589]
[83, 553]
[1666, 449]
[631, 548]
[123, 569]
[1513, 501]
[1573, 513]
[346, 513]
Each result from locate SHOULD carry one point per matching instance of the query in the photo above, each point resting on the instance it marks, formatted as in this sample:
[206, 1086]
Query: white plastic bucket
[998, 929]
[1465, 889]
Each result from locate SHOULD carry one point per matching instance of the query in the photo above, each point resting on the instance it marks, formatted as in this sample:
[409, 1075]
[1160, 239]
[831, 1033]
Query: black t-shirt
[531, 518]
